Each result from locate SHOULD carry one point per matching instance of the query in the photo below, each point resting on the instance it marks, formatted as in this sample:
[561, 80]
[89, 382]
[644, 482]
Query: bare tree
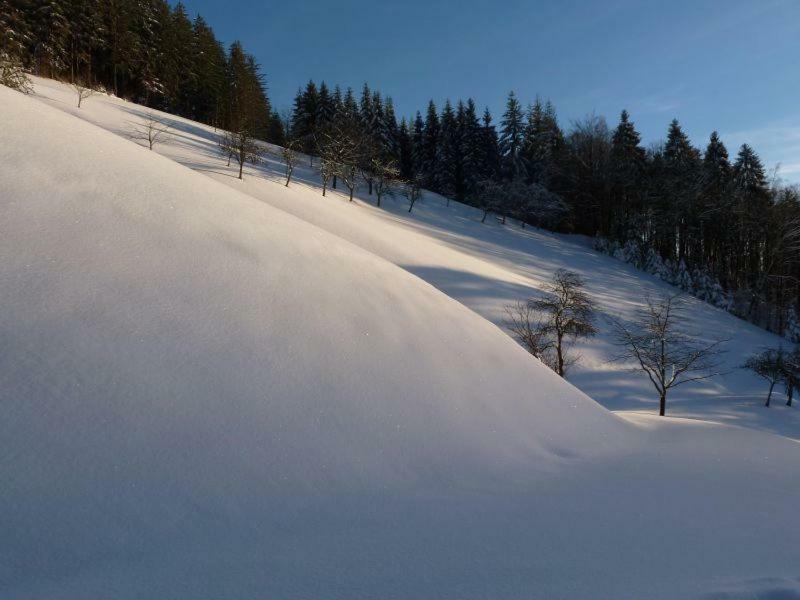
[12, 74]
[413, 191]
[386, 174]
[340, 146]
[488, 197]
[226, 145]
[660, 347]
[569, 315]
[792, 374]
[526, 324]
[83, 91]
[327, 170]
[769, 364]
[152, 130]
[289, 154]
[241, 146]
[348, 173]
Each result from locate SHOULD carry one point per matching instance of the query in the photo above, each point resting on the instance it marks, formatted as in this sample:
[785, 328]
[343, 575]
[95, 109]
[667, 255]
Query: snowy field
[224, 389]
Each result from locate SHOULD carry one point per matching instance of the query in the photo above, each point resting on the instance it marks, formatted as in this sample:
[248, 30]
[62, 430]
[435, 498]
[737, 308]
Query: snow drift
[203, 396]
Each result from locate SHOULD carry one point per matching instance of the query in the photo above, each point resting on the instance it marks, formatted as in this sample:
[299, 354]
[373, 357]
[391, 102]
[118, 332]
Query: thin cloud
[777, 142]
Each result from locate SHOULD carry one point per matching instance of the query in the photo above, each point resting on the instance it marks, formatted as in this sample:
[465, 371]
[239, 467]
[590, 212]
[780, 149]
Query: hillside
[225, 393]
[484, 266]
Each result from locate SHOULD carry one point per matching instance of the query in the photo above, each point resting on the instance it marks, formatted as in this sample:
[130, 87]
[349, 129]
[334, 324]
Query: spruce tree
[430, 143]
[447, 153]
[511, 139]
[627, 172]
[418, 145]
[405, 151]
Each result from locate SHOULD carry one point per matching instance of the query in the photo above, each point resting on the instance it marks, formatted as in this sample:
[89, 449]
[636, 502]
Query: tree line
[142, 50]
[718, 227]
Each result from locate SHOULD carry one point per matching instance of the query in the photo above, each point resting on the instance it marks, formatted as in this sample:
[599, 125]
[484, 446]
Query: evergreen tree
[207, 88]
[472, 149]
[50, 28]
[511, 139]
[627, 162]
[405, 151]
[429, 164]
[15, 28]
[418, 145]
[490, 149]
[325, 106]
[447, 151]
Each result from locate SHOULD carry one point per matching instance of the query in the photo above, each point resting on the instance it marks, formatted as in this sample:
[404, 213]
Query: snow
[224, 389]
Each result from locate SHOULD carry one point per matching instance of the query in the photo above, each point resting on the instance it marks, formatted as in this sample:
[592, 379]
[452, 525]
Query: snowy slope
[484, 266]
[204, 396]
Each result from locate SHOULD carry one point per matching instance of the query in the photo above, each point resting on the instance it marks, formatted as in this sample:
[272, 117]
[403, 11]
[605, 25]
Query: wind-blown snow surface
[205, 397]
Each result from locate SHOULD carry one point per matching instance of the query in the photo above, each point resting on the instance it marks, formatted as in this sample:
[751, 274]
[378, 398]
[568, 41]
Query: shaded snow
[205, 396]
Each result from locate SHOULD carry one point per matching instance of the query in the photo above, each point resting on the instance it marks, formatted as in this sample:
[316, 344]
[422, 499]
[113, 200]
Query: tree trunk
[485, 214]
[789, 396]
[241, 167]
[334, 182]
[351, 194]
[369, 181]
[559, 352]
[769, 395]
[379, 200]
[662, 404]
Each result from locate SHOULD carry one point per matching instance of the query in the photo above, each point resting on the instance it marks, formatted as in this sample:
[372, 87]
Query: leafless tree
[289, 154]
[568, 315]
[385, 173]
[83, 91]
[152, 130]
[792, 374]
[241, 146]
[340, 146]
[488, 197]
[348, 173]
[770, 364]
[413, 191]
[327, 171]
[527, 326]
[660, 347]
[12, 75]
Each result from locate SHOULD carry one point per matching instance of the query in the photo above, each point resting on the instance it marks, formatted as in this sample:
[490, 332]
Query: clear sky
[729, 65]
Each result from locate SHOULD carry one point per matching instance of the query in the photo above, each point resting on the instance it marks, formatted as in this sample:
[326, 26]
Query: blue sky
[729, 65]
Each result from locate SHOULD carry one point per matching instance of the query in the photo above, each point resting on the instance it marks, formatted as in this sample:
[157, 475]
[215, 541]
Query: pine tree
[50, 29]
[418, 145]
[429, 164]
[511, 139]
[716, 210]
[447, 151]
[405, 151]
[15, 29]
[676, 209]
[366, 112]
[206, 93]
[304, 117]
[472, 150]
[325, 106]
[490, 149]
[627, 173]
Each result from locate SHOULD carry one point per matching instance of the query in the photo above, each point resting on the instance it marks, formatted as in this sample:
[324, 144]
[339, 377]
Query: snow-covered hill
[484, 266]
[204, 396]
